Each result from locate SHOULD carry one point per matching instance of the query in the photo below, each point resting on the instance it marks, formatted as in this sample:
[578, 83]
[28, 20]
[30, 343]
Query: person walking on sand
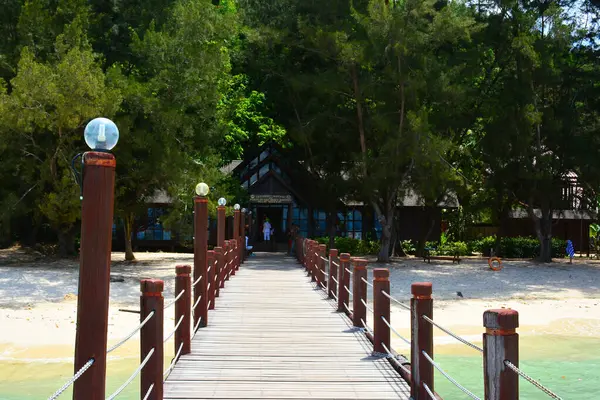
[266, 230]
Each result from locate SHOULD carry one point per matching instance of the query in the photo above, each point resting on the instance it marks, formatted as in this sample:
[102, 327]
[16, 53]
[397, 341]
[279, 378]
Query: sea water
[569, 365]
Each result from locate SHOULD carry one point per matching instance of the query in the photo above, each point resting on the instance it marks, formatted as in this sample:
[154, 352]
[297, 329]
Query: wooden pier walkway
[275, 336]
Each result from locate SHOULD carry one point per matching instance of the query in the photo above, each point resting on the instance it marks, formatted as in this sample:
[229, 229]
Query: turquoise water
[570, 366]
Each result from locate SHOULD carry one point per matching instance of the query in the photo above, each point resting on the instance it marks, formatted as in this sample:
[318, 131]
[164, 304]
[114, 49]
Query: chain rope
[474, 346]
[132, 377]
[396, 301]
[174, 330]
[175, 300]
[395, 332]
[531, 380]
[452, 380]
[64, 387]
[126, 338]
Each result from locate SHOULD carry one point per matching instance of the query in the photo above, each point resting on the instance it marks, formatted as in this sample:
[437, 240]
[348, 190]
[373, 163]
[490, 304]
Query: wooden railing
[345, 280]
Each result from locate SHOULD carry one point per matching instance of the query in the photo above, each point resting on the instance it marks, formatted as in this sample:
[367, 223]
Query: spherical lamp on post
[221, 222]
[200, 254]
[98, 189]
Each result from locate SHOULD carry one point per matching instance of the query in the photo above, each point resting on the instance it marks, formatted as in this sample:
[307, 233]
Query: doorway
[277, 216]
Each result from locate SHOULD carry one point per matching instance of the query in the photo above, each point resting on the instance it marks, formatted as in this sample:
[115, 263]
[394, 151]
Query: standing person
[266, 230]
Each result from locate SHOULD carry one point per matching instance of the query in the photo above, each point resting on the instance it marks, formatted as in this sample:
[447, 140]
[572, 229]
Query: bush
[408, 247]
[517, 247]
[355, 247]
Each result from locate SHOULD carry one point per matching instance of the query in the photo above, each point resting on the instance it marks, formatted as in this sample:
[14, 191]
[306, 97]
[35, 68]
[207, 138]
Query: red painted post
[359, 291]
[422, 339]
[311, 261]
[220, 226]
[226, 267]
[321, 251]
[200, 259]
[236, 237]
[307, 256]
[344, 282]
[219, 259]
[331, 286]
[94, 273]
[381, 310]
[242, 239]
[211, 285]
[183, 281]
[151, 337]
[500, 343]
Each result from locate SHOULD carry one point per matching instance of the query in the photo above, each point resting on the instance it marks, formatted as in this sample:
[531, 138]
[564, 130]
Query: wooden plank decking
[274, 336]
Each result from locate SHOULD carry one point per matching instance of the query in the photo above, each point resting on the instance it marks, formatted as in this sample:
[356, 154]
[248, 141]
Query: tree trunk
[543, 230]
[66, 243]
[128, 227]
[331, 228]
[360, 118]
[429, 221]
[386, 219]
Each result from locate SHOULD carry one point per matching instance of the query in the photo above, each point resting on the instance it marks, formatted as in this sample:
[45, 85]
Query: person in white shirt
[267, 230]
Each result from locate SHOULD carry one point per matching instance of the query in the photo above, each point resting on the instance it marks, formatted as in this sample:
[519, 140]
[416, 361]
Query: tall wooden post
[225, 268]
[331, 287]
[359, 292]
[321, 251]
[500, 343]
[381, 310]
[343, 283]
[183, 282]
[422, 340]
[94, 273]
[200, 259]
[236, 237]
[219, 260]
[211, 281]
[242, 249]
[151, 337]
[221, 226]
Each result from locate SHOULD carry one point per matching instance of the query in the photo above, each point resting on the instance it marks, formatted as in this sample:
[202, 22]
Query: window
[354, 224]
[300, 218]
[152, 228]
[320, 221]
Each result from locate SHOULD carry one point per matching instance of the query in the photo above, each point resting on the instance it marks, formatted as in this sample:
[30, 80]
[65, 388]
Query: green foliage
[354, 247]
[408, 247]
[518, 247]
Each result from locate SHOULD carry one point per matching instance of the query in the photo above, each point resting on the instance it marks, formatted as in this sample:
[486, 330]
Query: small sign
[271, 198]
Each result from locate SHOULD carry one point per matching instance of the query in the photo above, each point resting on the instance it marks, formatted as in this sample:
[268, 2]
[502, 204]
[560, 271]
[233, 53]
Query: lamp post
[200, 254]
[236, 235]
[98, 190]
[221, 222]
[243, 236]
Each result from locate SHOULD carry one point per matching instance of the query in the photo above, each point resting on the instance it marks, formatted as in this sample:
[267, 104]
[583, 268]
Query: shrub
[517, 247]
[352, 246]
[408, 247]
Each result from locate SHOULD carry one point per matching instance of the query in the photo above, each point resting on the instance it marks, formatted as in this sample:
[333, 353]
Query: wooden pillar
[242, 249]
[225, 268]
[200, 259]
[359, 291]
[422, 340]
[312, 261]
[381, 310]
[236, 237]
[500, 342]
[344, 282]
[322, 281]
[183, 282]
[94, 273]
[211, 288]
[331, 286]
[151, 337]
[220, 226]
[219, 259]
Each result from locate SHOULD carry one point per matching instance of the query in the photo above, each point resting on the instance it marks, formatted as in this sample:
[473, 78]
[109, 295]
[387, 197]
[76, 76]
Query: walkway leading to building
[274, 335]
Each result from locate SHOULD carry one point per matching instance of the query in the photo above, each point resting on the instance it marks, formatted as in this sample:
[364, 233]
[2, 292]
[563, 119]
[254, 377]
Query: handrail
[452, 380]
[81, 371]
[531, 380]
[175, 359]
[126, 338]
[426, 318]
[395, 332]
[132, 377]
[174, 330]
[175, 300]
[395, 300]
[366, 281]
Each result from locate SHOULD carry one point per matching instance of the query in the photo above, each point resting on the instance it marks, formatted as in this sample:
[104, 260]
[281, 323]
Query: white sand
[554, 299]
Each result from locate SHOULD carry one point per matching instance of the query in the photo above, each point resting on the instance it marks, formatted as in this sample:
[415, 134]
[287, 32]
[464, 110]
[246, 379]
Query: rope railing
[132, 377]
[126, 338]
[395, 331]
[367, 306]
[395, 300]
[174, 330]
[348, 309]
[367, 282]
[170, 368]
[335, 280]
[367, 328]
[531, 380]
[148, 392]
[196, 304]
[64, 387]
[336, 264]
[195, 330]
[175, 299]
[429, 392]
[391, 356]
[452, 380]
[197, 281]
[464, 341]
[348, 271]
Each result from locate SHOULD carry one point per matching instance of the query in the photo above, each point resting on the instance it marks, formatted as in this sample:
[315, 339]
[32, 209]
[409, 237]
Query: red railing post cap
[421, 289]
[183, 269]
[345, 257]
[502, 318]
[323, 247]
[333, 252]
[381, 274]
[359, 262]
[152, 285]
[210, 254]
[100, 159]
[200, 199]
